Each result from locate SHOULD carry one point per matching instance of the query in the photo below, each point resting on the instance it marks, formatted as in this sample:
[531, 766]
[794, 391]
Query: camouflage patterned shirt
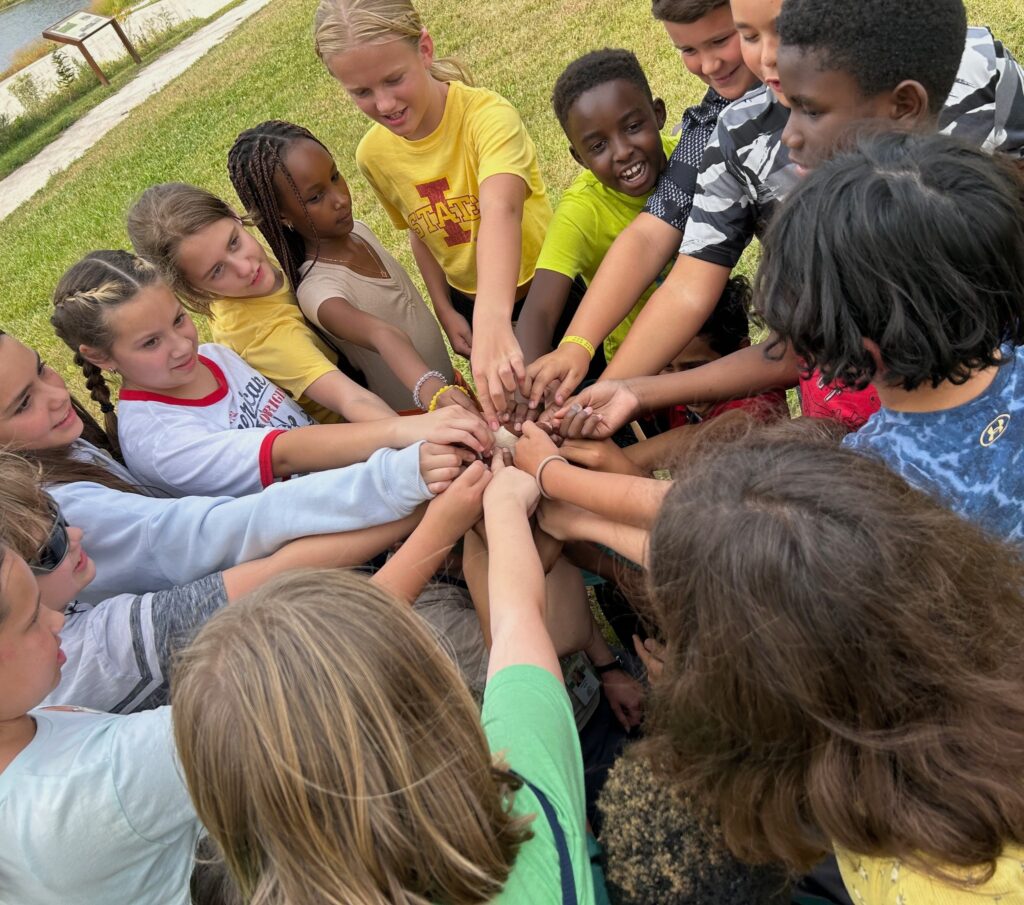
[746, 172]
[971, 457]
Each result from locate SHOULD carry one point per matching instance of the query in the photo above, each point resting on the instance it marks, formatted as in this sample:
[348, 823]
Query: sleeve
[185, 455]
[364, 151]
[527, 715]
[672, 197]
[1009, 127]
[291, 355]
[568, 246]
[179, 612]
[501, 142]
[148, 781]
[722, 220]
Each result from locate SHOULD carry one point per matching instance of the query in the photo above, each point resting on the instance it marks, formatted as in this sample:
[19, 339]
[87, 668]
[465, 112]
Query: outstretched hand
[509, 483]
[554, 376]
[599, 411]
[498, 371]
[532, 448]
[461, 506]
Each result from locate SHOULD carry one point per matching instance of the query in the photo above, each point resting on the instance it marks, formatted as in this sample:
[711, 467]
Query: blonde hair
[25, 519]
[100, 281]
[341, 25]
[163, 217]
[334, 754]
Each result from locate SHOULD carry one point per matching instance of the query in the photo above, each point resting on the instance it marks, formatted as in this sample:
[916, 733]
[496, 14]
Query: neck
[201, 384]
[333, 247]
[927, 398]
[15, 735]
[435, 112]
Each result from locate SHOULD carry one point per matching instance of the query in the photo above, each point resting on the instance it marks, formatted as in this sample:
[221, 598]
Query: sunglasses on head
[54, 549]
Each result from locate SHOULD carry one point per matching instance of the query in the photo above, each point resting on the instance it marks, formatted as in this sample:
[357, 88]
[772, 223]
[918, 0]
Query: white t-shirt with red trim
[218, 445]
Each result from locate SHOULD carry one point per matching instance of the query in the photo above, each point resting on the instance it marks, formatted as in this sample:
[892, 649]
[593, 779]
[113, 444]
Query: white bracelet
[540, 471]
[419, 386]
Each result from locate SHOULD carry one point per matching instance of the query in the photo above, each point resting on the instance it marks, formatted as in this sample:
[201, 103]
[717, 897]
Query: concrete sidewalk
[24, 182]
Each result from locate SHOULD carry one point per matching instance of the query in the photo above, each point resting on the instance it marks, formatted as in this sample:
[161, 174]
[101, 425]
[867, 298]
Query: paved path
[24, 182]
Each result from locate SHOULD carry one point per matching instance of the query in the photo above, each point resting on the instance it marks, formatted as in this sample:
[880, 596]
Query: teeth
[633, 171]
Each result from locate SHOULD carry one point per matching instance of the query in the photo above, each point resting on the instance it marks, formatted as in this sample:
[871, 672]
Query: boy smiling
[613, 122]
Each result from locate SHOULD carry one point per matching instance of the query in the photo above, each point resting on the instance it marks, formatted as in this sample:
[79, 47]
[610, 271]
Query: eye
[720, 41]
[598, 147]
[394, 80]
[180, 319]
[751, 38]
[687, 51]
[217, 271]
[150, 343]
[233, 243]
[634, 127]
[335, 176]
[360, 92]
[23, 405]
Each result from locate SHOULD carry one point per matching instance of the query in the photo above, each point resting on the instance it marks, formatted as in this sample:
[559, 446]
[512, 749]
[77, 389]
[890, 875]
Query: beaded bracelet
[580, 341]
[540, 471]
[442, 391]
[417, 401]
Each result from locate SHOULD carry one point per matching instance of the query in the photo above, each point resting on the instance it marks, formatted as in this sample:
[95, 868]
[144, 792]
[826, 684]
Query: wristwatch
[609, 667]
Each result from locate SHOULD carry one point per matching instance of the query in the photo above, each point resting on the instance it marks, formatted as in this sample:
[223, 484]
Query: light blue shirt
[94, 810]
[971, 457]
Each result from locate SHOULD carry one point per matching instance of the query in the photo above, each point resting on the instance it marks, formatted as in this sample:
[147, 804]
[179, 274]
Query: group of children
[817, 620]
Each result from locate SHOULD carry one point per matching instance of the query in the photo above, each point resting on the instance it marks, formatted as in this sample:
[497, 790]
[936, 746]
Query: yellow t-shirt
[432, 185]
[589, 217]
[883, 881]
[272, 336]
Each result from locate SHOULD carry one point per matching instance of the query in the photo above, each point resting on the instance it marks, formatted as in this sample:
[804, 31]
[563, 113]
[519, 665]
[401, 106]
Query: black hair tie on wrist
[106, 408]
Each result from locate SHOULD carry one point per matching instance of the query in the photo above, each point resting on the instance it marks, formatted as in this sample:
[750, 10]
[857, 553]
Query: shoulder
[375, 138]
[525, 702]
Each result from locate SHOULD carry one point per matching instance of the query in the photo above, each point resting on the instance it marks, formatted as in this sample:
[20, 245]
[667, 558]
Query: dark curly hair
[728, 325]
[593, 69]
[913, 242]
[684, 11]
[881, 43]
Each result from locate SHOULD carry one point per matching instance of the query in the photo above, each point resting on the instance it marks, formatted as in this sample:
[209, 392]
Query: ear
[576, 156]
[908, 103]
[96, 357]
[660, 113]
[873, 349]
[426, 48]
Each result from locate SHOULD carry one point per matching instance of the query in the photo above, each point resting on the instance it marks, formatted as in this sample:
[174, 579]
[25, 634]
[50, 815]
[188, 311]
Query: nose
[621, 149]
[769, 52]
[385, 103]
[710, 64]
[57, 397]
[55, 619]
[791, 136]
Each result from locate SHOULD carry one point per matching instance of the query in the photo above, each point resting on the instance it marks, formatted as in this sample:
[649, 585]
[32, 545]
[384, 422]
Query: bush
[26, 89]
[67, 71]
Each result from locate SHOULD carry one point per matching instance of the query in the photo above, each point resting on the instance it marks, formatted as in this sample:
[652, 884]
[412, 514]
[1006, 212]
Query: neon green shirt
[587, 220]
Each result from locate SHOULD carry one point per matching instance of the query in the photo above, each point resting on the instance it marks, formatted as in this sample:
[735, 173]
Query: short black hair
[915, 242]
[684, 11]
[728, 325]
[881, 43]
[593, 69]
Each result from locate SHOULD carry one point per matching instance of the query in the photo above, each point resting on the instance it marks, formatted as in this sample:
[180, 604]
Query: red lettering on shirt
[444, 213]
[273, 404]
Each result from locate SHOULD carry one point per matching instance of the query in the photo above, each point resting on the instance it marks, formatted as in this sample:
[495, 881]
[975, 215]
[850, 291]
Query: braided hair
[101, 280]
[254, 158]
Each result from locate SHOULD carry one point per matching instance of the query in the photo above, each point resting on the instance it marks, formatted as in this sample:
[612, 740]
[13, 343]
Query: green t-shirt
[587, 220]
[528, 719]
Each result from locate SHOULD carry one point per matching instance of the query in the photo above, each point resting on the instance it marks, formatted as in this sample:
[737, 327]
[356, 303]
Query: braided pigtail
[98, 389]
[255, 157]
[101, 281]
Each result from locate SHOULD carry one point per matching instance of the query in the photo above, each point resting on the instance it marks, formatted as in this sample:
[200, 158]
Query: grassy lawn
[267, 69]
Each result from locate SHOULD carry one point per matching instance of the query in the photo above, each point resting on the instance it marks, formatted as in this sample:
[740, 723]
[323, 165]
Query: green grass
[267, 69]
[29, 134]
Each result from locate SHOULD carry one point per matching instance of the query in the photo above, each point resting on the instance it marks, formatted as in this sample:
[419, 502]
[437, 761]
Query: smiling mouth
[66, 419]
[722, 79]
[256, 276]
[395, 117]
[635, 173]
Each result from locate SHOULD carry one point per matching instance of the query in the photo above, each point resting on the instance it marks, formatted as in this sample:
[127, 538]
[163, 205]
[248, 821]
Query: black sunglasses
[55, 548]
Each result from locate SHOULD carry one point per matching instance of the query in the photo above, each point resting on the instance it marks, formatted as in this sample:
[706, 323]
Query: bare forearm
[632, 263]
[433, 276]
[499, 248]
[544, 304]
[323, 551]
[340, 394]
[621, 498]
[324, 446]
[414, 563]
[626, 540]
[746, 372]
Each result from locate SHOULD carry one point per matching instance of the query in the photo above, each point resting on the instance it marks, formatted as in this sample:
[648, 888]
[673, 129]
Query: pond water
[24, 22]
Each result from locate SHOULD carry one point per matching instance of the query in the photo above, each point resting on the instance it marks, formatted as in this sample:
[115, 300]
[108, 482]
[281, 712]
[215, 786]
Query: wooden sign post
[74, 29]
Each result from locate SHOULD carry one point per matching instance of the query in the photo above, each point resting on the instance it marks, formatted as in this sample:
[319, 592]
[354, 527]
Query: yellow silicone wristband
[580, 341]
[442, 391]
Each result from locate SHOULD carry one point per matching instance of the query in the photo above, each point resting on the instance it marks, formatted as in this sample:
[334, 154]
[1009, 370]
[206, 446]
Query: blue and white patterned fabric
[971, 457]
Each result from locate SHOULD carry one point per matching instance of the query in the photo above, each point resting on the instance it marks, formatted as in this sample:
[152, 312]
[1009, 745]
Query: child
[95, 809]
[346, 282]
[747, 171]
[938, 328]
[454, 165]
[142, 542]
[210, 260]
[200, 420]
[858, 645]
[613, 122]
[118, 652]
[380, 784]
[703, 33]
